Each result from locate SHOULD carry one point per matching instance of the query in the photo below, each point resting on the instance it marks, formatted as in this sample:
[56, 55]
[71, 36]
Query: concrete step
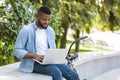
[10, 72]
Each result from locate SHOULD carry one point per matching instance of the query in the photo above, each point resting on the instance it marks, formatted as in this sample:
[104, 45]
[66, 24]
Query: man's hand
[38, 57]
[34, 56]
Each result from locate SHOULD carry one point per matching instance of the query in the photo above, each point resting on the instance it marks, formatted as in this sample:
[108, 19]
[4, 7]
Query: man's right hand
[34, 56]
[38, 57]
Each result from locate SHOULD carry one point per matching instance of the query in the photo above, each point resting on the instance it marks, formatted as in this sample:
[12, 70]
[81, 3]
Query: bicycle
[72, 56]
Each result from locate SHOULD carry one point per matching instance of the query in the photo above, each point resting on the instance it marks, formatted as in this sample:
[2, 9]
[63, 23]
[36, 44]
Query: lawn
[87, 48]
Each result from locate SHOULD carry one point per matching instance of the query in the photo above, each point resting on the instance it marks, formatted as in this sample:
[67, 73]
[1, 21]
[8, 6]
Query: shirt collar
[35, 25]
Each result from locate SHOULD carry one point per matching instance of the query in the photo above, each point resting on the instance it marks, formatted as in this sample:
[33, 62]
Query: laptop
[54, 56]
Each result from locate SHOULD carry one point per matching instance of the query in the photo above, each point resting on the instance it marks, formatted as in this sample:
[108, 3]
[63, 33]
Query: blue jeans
[57, 71]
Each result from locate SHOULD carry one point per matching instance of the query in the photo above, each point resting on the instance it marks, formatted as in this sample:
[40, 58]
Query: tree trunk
[57, 41]
[63, 40]
[77, 43]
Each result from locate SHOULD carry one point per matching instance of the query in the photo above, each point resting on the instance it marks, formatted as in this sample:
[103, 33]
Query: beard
[41, 25]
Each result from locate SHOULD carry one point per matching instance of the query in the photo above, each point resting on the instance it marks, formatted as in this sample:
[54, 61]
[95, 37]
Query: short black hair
[44, 9]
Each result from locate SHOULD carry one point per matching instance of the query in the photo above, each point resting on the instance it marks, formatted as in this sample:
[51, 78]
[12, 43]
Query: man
[32, 42]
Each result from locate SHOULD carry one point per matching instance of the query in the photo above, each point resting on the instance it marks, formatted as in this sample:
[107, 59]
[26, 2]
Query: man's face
[43, 20]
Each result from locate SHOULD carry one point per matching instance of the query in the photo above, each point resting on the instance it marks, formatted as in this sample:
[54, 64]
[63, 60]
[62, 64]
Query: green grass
[83, 50]
[87, 48]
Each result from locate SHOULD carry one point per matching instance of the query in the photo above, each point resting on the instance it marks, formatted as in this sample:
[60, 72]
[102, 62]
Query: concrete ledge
[111, 75]
[89, 69]
[95, 66]
[10, 72]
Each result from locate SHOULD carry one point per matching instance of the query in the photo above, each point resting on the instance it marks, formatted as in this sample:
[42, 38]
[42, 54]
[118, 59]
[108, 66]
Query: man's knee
[75, 76]
[56, 72]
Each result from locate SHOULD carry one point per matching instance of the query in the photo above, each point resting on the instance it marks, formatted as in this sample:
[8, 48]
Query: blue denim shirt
[25, 43]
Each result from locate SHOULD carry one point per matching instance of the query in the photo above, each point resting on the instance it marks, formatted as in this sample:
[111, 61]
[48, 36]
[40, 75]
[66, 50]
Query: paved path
[111, 75]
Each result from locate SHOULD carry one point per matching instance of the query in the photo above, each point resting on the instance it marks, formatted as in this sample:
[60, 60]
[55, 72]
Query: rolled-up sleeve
[21, 41]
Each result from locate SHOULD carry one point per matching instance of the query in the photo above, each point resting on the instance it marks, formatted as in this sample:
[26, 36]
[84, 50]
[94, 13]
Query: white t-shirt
[41, 41]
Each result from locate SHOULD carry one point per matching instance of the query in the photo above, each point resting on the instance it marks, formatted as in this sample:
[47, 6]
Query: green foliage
[109, 13]
[81, 16]
[14, 15]
[56, 22]
[5, 53]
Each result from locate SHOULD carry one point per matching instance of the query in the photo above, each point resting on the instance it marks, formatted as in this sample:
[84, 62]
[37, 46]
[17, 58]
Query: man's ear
[38, 16]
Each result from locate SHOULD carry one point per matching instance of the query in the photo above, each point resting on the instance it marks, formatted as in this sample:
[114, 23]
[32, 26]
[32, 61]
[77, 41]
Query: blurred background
[71, 19]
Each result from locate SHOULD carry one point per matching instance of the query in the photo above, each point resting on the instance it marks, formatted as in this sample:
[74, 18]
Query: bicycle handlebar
[81, 38]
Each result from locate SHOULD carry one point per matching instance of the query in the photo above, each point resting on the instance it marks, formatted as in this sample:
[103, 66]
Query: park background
[71, 19]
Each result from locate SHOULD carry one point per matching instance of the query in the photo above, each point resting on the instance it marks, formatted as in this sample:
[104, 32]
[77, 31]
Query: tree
[81, 19]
